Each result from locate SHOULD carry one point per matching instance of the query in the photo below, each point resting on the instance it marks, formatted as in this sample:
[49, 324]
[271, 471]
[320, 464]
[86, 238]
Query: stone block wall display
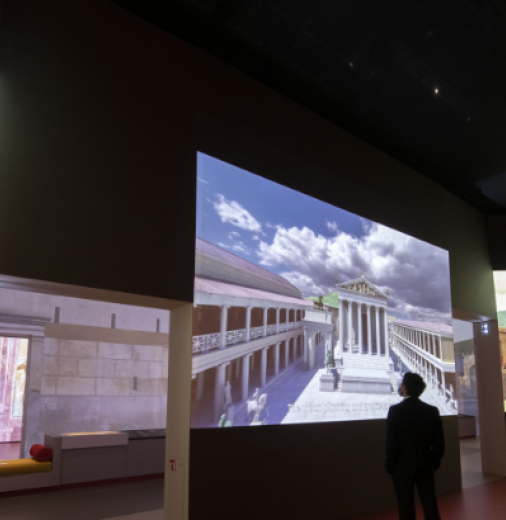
[94, 379]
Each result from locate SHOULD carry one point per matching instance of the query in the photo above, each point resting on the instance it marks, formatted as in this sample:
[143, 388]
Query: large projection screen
[307, 313]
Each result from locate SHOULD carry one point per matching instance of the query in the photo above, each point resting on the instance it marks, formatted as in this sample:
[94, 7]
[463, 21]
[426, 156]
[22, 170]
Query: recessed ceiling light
[350, 64]
[436, 90]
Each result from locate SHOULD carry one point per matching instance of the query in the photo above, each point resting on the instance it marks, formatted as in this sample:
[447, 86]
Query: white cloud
[233, 235]
[232, 212]
[241, 247]
[332, 226]
[305, 283]
[416, 273]
[268, 224]
[202, 180]
[221, 244]
[255, 237]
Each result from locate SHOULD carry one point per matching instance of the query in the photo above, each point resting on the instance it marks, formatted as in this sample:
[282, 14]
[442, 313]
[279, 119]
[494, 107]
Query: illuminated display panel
[307, 313]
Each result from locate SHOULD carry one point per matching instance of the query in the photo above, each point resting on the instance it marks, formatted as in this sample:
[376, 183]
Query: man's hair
[414, 384]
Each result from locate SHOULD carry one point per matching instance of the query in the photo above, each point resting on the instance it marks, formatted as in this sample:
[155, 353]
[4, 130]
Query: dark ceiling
[423, 81]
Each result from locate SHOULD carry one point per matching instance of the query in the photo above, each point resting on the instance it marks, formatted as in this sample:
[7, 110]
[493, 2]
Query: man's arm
[438, 442]
[391, 443]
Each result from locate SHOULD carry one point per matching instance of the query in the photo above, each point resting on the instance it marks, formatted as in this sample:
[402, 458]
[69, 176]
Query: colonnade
[421, 351]
[224, 337]
[241, 367]
[429, 342]
[351, 329]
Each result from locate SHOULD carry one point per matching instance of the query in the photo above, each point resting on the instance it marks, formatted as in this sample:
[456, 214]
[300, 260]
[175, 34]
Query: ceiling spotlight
[436, 90]
[350, 64]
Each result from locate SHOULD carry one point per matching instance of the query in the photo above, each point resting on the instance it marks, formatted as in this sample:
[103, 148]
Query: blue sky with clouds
[310, 242]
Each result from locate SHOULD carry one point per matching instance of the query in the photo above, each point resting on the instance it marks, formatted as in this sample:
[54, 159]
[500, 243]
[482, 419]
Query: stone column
[278, 310]
[349, 316]
[385, 321]
[443, 382]
[264, 366]
[359, 323]
[341, 325]
[200, 385]
[219, 391]
[306, 347]
[248, 323]
[245, 376]
[287, 352]
[378, 339]
[237, 367]
[276, 358]
[440, 348]
[223, 326]
[264, 325]
[369, 346]
[287, 318]
[295, 347]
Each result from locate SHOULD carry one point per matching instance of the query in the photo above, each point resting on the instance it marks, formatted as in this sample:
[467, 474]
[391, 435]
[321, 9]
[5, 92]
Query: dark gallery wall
[496, 227]
[102, 115]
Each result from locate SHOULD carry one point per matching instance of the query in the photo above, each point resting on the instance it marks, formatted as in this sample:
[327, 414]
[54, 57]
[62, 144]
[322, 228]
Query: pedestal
[365, 381]
[327, 382]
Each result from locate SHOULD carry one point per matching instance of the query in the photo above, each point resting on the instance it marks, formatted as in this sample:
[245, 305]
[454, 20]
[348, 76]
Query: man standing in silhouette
[414, 449]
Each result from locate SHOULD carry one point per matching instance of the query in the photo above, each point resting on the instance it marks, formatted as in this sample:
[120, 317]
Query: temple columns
[248, 323]
[385, 321]
[306, 347]
[219, 391]
[369, 346]
[378, 342]
[341, 326]
[223, 326]
[245, 376]
[263, 367]
[200, 385]
[349, 316]
[359, 323]
[276, 358]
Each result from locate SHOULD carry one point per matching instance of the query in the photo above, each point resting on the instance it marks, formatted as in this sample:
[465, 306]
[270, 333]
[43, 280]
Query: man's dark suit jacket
[415, 440]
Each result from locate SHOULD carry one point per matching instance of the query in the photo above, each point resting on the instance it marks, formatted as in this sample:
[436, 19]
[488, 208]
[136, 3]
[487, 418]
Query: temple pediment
[362, 286]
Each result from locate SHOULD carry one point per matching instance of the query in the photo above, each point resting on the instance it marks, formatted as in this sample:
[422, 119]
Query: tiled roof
[205, 285]
[426, 325]
[236, 261]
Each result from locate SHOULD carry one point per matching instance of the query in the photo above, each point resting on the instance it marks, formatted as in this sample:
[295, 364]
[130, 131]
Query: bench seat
[23, 467]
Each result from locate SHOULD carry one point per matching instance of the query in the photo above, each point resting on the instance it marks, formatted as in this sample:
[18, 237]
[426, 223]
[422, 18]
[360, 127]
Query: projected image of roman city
[305, 312]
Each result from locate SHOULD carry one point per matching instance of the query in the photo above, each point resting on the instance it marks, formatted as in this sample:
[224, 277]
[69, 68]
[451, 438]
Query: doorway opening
[13, 370]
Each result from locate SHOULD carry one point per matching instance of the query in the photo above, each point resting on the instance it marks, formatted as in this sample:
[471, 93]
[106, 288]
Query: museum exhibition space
[210, 293]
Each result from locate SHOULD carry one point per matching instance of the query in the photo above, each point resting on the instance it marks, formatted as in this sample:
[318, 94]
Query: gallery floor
[483, 496]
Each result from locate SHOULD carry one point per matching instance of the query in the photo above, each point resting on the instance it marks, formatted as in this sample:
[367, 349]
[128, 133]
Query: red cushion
[41, 453]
